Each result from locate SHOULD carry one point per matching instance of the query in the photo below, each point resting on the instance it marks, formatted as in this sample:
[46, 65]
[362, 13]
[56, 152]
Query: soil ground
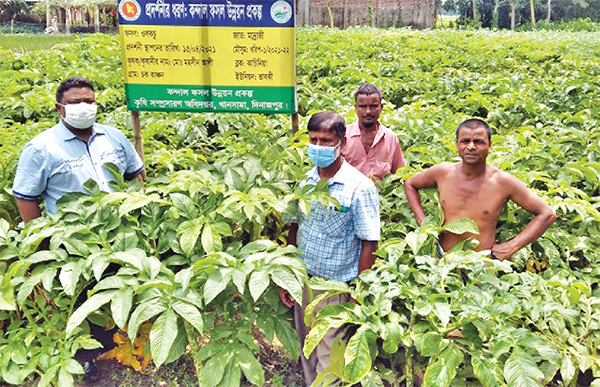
[280, 371]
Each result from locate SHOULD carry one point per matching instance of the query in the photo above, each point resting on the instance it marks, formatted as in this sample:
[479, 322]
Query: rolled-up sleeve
[365, 211]
[31, 177]
[135, 166]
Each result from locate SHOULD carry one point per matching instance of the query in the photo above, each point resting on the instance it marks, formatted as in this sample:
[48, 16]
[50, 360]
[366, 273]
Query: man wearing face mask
[336, 243]
[61, 159]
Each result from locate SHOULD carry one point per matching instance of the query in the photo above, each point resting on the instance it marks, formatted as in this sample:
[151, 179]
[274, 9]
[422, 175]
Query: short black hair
[328, 121]
[474, 123]
[368, 89]
[70, 83]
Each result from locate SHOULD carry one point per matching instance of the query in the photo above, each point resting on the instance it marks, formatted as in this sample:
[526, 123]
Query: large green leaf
[27, 287]
[120, 306]
[316, 333]
[520, 370]
[90, 305]
[258, 283]
[141, 314]
[179, 346]
[69, 276]
[207, 239]
[286, 279]
[483, 368]
[189, 231]
[462, 226]
[189, 313]
[357, 356]
[184, 205]
[250, 366]
[231, 376]
[135, 201]
[214, 285]
[442, 370]
[162, 336]
[217, 364]
[567, 369]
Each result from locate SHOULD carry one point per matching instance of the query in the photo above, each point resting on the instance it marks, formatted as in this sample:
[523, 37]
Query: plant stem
[408, 368]
[192, 336]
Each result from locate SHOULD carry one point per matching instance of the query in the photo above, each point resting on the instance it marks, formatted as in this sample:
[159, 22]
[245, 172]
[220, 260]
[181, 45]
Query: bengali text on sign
[210, 56]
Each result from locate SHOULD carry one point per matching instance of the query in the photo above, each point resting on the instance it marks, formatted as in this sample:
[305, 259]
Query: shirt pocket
[337, 224]
[117, 157]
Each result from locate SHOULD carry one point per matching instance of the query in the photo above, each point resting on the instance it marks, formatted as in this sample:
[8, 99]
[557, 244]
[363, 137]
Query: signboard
[209, 55]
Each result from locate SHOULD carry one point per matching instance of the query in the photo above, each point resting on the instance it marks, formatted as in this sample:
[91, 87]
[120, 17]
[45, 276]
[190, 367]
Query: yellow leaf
[132, 355]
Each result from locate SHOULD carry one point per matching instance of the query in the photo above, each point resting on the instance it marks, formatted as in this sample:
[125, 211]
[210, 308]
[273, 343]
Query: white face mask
[80, 115]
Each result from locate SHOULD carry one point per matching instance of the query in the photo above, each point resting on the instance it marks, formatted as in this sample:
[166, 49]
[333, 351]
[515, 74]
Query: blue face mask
[323, 156]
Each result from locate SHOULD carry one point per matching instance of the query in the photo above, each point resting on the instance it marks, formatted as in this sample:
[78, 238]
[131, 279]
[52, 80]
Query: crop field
[189, 265]
[23, 43]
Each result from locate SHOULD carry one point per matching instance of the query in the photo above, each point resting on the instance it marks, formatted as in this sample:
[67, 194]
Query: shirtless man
[473, 189]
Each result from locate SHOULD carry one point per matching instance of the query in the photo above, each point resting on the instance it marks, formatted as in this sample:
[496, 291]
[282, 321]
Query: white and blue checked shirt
[56, 162]
[330, 239]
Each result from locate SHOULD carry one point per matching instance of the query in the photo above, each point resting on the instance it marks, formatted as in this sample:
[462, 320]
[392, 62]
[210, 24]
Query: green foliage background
[191, 251]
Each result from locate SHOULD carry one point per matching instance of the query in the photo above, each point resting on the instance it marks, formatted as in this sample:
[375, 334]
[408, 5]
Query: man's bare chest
[475, 201]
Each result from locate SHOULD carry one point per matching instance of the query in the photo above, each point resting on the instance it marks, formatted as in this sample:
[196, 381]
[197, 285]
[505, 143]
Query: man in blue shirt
[336, 243]
[61, 159]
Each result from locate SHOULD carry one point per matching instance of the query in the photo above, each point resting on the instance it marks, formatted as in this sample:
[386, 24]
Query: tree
[495, 14]
[12, 9]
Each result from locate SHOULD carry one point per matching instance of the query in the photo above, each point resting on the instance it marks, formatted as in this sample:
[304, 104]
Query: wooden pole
[137, 136]
[295, 123]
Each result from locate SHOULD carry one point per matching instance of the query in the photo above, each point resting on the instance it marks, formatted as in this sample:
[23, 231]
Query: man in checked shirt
[336, 244]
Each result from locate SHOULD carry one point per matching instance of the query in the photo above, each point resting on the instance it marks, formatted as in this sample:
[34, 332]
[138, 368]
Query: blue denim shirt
[57, 162]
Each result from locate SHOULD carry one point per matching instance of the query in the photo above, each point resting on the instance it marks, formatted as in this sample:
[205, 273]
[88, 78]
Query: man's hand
[502, 251]
[29, 209]
[285, 297]
[367, 255]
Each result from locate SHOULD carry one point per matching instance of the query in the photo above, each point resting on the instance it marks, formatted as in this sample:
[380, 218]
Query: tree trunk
[513, 14]
[476, 16]
[532, 10]
[549, 15]
[48, 15]
[303, 13]
[96, 11]
[495, 14]
[67, 20]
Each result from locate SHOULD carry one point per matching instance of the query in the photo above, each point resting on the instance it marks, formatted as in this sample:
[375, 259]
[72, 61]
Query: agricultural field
[199, 251]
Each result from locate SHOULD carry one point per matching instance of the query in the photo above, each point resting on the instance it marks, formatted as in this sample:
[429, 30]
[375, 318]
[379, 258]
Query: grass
[22, 43]
[446, 21]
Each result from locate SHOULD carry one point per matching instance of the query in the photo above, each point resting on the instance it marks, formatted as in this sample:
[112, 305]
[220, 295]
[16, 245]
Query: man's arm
[544, 216]
[292, 234]
[29, 209]
[425, 179]
[398, 159]
[367, 255]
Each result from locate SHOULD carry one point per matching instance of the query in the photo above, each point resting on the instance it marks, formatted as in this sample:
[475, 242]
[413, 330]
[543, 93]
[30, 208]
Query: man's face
[324, 138]
[75, 95]
[368, 108]
[473, 145]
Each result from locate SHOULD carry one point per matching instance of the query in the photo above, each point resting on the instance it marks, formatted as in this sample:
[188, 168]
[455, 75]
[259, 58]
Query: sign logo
[281, 12]
[129, 10]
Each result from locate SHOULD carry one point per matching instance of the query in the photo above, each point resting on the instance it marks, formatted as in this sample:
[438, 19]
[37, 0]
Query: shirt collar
[313, 174]
[67, 135]
[354, 131]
